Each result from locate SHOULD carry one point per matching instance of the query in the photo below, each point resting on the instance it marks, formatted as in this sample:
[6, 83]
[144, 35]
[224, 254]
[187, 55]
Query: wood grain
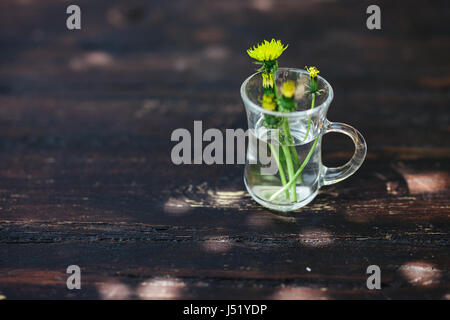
[86, 176]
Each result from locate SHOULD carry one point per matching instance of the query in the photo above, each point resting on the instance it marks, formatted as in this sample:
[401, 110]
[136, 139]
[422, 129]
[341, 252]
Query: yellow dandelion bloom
[288, 89]
[312, 71]
[267, 51]
[268, 102]
[268, 80]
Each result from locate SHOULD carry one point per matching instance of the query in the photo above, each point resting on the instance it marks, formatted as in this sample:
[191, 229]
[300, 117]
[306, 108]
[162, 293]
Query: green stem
[290, 169]
[280, 167]
[309, 118]
[290, 140]
[287, 132]
[295, 155]
[293, 179]
[275, 90]
[287, 150]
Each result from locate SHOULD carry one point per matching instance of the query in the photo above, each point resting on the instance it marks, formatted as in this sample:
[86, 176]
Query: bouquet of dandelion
[291, 152]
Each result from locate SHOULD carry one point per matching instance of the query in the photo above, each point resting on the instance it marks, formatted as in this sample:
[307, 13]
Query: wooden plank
[86, 176]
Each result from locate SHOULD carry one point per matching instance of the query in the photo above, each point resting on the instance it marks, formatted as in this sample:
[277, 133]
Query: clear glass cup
[284, 168]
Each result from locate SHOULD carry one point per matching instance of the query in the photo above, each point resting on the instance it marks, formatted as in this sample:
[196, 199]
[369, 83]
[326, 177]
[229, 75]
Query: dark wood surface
[86, 176]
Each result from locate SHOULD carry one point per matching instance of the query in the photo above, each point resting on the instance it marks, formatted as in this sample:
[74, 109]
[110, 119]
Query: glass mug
[299, 172]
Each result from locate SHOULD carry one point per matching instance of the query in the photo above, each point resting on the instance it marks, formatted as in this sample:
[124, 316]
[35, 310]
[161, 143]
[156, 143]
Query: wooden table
[86, 176]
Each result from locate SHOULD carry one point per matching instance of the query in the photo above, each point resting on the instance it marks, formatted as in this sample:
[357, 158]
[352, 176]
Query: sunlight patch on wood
[428, 182]
[300, 293]
[217, 245]
[226, 198]
[420, 273]
[94, 59]
[176, 206]
[114, 291]
[262, 5]
[160, 289]
[316, 238]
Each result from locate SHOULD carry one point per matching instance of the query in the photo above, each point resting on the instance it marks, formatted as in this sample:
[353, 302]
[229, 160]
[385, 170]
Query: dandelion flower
[312, 71]
[287, 101]
[288, 89]
[267, 51]
[268, 102]
[268, 80]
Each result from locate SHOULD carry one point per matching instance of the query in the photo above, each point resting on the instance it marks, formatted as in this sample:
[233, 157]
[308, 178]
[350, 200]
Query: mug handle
[334, 175]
